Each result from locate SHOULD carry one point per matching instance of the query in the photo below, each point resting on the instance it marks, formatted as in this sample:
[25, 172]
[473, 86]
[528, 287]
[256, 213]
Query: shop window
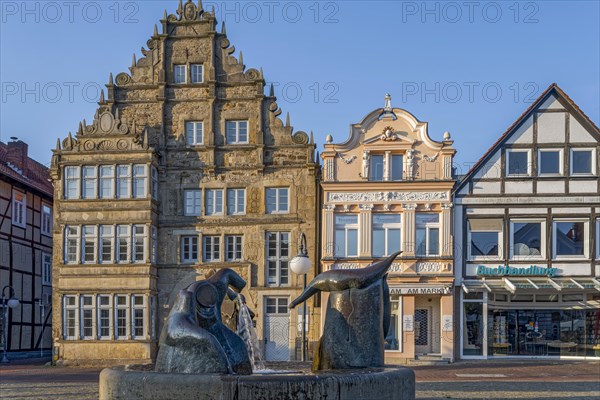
[194, 133]
[427, 234]
[278, 253]
[386, 234]
[550, 162]
[346, 235]
[582, 162]
[394, 336]
[569, 239]
[518, 163]
[527, 239]
[485, 237]
[473, 334]
[376, 168]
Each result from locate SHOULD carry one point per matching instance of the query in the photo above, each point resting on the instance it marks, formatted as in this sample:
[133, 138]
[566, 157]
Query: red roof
[35, 176]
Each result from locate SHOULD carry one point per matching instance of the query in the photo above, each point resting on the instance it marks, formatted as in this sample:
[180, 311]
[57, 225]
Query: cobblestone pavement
[553, 380]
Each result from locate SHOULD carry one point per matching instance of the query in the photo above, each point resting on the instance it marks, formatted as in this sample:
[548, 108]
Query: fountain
[200, 358]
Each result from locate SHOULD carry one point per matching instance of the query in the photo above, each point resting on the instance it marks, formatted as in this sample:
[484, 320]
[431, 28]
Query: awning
[512, 285]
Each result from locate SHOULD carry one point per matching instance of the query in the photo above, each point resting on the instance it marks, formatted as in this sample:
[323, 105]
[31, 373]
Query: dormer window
[179, 74]
[376, 168]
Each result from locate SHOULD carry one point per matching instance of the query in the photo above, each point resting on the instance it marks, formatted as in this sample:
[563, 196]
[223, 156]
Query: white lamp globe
[300, 265]
[12, 303]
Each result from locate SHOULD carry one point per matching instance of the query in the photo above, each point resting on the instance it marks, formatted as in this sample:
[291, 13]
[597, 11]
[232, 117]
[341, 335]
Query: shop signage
[408, 324]
[532, 270]
[421, 290]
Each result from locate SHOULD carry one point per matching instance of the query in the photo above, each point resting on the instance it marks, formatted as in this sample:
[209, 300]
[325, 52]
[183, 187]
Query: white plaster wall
[491, 169]
[528, 211]
[572, 210]
[524, 134]
[458, 240]
[486, 187]
[583, 187]
[579, 134]
[518, 186]
[551, 127]
[551, 103]
[551, 187]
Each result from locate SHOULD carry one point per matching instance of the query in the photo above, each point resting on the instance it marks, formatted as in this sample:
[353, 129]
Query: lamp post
[300, 265]
[9, 301]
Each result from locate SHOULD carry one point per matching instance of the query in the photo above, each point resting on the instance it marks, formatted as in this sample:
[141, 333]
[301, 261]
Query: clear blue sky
[445, 62]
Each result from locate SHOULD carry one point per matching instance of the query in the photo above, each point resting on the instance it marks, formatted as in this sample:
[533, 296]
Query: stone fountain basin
[133, 382]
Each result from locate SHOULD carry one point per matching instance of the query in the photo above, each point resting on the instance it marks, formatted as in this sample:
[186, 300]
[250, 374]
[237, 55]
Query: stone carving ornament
[364, 197]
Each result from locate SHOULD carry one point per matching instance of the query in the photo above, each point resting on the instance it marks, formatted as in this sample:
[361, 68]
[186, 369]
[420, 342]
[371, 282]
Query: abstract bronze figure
[194, 340]
[357, 317]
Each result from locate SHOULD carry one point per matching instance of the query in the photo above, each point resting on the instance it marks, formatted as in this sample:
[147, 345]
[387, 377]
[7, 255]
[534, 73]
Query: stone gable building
[186, 168]
[388, 188]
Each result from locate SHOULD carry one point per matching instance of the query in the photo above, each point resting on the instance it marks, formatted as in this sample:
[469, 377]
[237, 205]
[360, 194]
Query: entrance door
[277, 329]
[423, 330]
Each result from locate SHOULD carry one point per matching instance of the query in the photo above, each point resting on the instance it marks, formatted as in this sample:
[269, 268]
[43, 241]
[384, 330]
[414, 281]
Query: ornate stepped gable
[133, 115]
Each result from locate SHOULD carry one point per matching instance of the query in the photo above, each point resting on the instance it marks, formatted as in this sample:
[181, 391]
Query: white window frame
[110, 178]
[123, 232]
[75, 309]
[278, 259]
[508, 151]
[104, 307]
[386, 227]
[135, 237]
[19, 209]
[236, 207]
[511, 232]
[234, 241]
[372, 169]
[46, 268]
[177, 74]
[560, 161]
[593, 166]
[278, 201]
[134, 308]
[192, 203]
[73, 182]
[137, 177]
[126, 178]
[154, 174]
[586, 236]
[117, 308]
[346, 227]
[106, 232]
[216, 207]
[428, 227]
[193, 76]
[214, 242]
[237, 139]
[93, 237]
[72, 236]
[187, 255]
[471, 257]
[399, 323]
[194, 133]
[89, 176]
[82, 309]
[46, 225]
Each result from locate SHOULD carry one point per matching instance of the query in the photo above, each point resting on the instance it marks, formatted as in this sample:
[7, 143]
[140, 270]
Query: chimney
[17, 154]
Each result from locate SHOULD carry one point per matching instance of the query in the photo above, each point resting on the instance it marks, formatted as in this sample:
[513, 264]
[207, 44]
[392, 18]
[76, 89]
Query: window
[123, 243]
[517, 162]
[376, 168]
[154, 172]
[346, 235]
[214, 201]
[72, 244]
[386, 234]
[107, 181]
[598, 239]
[121, 317]
[236, 201]
[90, 182]
[197, 73]
[397, 166]
[19, 209]
[139, 243]
[194, 133]
[137, 317]
[123, 181]
[152, 316]
[276, 305]
[527, 240]
[87, 317]
[107, 241]
[189, 248]
[192, 202]
[70, 319]
[277, 200]
[139, 181]
[104, 317]
[179, 74]
[46, 228]
[582, 161]
[71, 182]
[394, 336]
[46, 269]
[485, 236]
[234, 248]
[570, 238]
[278, 253]
[550, 162]
[237, 132]
[154, 247]
[90, 244]
[427, 234]
[212, 248]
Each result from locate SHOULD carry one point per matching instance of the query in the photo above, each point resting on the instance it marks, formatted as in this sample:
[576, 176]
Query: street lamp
[9, 301]
[300, 265]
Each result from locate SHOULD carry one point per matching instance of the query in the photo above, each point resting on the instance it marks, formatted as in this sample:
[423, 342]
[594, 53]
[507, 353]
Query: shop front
[530, 317]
